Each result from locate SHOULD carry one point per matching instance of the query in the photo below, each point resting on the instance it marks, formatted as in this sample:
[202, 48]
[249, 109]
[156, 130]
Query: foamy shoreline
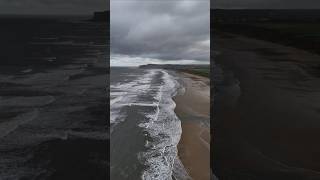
[143, 107]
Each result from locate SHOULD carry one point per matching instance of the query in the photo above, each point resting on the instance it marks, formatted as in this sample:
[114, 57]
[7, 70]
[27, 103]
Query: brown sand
[194, 146]
[272, 130]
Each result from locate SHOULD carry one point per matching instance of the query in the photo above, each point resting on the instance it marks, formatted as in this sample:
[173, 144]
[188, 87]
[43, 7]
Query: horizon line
[240, 8]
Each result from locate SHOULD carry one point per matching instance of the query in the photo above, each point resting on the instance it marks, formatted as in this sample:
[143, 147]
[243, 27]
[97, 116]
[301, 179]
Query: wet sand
[193, 109]
[266, 111]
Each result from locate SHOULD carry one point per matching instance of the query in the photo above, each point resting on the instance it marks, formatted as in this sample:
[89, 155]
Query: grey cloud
[52, 6]
[272, 4]
[167, 30]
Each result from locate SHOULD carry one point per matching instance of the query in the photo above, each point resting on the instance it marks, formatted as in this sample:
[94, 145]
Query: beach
[266, 110]
[193, 109]
[163, 116]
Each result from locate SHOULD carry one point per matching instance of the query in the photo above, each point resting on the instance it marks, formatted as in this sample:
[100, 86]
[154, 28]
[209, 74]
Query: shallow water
[53, 99]
[145, 130]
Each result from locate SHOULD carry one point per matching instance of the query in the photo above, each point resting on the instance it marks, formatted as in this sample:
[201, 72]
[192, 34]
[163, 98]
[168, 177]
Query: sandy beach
[193, 109]
[267, 110]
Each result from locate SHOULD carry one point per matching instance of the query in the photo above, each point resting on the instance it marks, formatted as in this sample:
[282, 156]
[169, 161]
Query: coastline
[193, 109]
[255, 136]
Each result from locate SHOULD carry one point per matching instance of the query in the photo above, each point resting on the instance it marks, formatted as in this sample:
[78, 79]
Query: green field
[205, 72]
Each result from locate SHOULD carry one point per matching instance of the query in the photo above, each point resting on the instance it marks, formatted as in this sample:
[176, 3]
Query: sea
[53, 98]
[144, 129]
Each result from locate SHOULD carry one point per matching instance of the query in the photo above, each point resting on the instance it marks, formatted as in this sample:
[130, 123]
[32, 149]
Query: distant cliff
[197, 69]
[174, 66]
[103, 16]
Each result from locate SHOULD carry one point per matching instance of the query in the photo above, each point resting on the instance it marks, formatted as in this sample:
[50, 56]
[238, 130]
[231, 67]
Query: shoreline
[193, 109]
[255, 136]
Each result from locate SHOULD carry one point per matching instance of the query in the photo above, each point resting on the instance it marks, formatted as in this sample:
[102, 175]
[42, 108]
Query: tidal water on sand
[145, 130]
[53, 120]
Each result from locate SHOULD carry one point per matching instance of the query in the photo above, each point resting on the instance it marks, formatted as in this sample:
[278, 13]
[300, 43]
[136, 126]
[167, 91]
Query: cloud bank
[52, 6]
[266, 4]
[168, 30]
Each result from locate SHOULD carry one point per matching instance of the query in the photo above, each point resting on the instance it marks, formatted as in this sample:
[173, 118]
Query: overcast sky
[153, 31]
[266, 4]
[88, 6]
[52, 6]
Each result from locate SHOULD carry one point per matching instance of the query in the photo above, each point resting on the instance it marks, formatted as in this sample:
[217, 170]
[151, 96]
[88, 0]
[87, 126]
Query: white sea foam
[126, 94]
[69, 134]
[16, 101]
[27, 71]
[179, 172]
[9, 126]
[162, 126]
